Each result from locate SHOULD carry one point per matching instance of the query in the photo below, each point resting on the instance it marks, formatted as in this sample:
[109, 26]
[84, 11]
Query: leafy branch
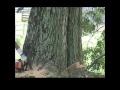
[95, 61]
[93, 34]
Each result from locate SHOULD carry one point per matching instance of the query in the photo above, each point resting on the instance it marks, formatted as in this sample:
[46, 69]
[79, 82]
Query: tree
[54, 34]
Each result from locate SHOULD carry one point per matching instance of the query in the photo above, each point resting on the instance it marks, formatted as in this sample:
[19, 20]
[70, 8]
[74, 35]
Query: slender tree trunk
[74, 32]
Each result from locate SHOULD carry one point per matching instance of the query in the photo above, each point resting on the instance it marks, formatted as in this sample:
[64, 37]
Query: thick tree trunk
[46, 39]
[54, 34]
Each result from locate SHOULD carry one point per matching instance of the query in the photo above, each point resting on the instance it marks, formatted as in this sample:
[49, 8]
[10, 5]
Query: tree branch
[96, 60]
[93, 34]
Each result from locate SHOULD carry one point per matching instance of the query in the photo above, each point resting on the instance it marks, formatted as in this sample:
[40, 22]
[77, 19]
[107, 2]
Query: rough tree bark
[54, 34]
[74, 32]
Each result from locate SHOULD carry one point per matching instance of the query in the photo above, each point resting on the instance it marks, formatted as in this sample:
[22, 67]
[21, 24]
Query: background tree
[54, 34]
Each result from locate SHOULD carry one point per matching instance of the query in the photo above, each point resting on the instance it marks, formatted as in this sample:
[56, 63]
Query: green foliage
[90, 20]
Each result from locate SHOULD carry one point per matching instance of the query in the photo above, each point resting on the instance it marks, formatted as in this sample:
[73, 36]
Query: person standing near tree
[21, 62]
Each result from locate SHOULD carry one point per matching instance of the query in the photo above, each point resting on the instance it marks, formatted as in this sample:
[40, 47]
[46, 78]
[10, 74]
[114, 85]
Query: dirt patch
[32, 74]
[49, 70]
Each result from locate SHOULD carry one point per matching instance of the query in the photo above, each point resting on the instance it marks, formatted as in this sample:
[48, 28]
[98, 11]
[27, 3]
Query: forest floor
[32, 74]
[49, 70]
[43, 73]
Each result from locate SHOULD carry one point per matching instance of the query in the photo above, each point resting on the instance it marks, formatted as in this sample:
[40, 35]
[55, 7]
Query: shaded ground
[50, 71]
[43, 74]
[32, 74]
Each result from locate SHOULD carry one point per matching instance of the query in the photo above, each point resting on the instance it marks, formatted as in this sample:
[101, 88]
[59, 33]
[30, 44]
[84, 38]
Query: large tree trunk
[74, 44]
[54, 34]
